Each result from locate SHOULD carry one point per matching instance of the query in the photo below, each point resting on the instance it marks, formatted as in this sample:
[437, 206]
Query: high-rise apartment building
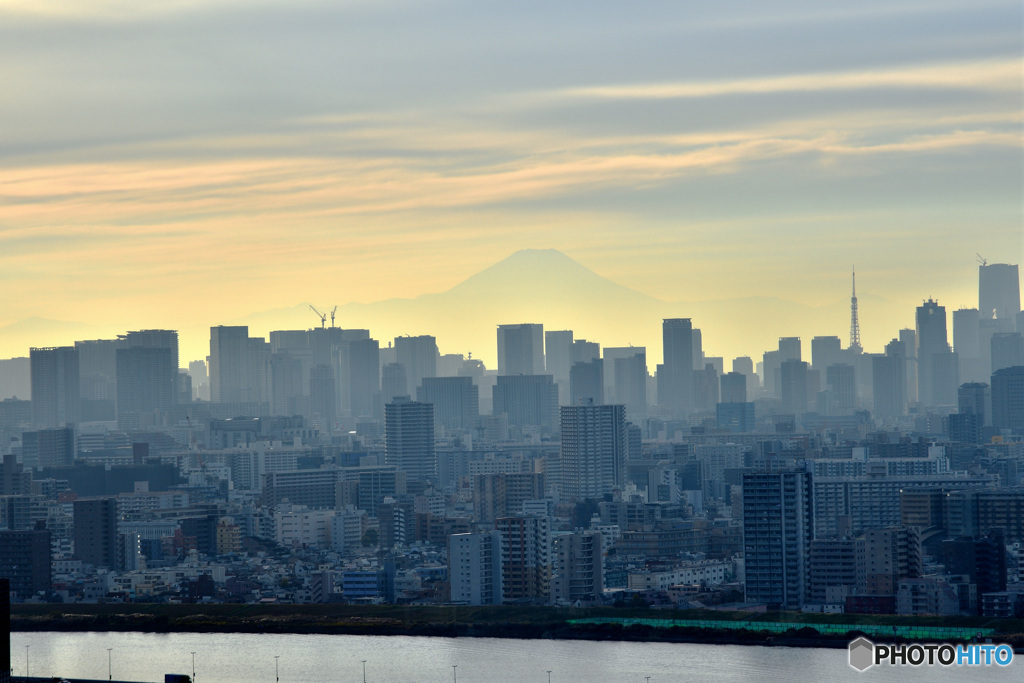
[96, 532]
[526, 558]
[578, 568]
[593, 450]
[474, 568]
[409, 438]
[778, 526]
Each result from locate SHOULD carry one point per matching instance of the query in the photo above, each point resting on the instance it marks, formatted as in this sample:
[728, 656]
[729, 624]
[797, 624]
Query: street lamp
[549, 675]
[26, 660]
[364, 671]
[110, 675]
[193, 667]
[277, 676]
[455, 678]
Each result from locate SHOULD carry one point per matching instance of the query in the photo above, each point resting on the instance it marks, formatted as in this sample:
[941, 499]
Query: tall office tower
[697, 343]
[474, 568]
[200, 379]
[521, 349]
[793, 375]
[778, 526]
[97, 371]
[889, 380]
[526, 558]
[855, 346]
[734, 387]
[999, 293]
[1008, 399]
[826, 351]
[286, 340]
[419, 356]
[745, 365]
[257, 389]
[56, 399]
[593, 450]
[931, 340]
[577, 567]
[909, 339]
[528, 400]
[25, 559]
[558, 360]
[147, 377]
[393, 381]
[287, 384]
[789, 348]
[456, 401]
[842, 389]
[945, 378]
[967, 344]
[631, 383]
[323, 407]
[586, 383]
[96, 531]
[705, 388]
[584, 351]
[360, 365]
[1007, 350]
[888, 385]
[675, 375]
[409, 438]
[229, 361]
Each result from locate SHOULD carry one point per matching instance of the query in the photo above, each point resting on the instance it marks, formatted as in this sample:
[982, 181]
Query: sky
[173, 164]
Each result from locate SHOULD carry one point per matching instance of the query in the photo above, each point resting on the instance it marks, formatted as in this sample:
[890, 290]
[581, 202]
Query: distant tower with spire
[854, 321]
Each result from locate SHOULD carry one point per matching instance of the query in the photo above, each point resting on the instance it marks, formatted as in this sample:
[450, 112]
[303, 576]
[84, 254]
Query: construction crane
[981, 259]
[323, 318]
[333, 311]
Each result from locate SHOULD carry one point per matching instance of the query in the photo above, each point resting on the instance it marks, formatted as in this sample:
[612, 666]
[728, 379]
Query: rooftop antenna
[854, 321]
[323, 318]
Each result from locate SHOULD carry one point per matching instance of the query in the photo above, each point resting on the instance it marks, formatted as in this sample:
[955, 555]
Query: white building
[474, 568]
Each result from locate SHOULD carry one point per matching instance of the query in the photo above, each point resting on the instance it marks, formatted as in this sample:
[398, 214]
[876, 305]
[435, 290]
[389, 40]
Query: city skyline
[528, 278]
[166, 164]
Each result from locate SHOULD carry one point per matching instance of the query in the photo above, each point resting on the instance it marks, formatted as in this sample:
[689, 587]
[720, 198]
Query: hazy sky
[171, 162]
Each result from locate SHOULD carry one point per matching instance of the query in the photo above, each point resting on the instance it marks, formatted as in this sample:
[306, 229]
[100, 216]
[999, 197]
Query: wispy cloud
[1000, 75]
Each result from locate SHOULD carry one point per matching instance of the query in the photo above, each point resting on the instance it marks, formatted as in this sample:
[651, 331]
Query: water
[249, 658]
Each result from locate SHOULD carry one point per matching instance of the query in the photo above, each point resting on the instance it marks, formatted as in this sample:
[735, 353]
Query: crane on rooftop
[322, 316]
[333, 311]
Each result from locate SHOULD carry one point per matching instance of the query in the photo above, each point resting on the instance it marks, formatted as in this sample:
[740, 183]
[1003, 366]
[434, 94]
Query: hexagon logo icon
[862, 654]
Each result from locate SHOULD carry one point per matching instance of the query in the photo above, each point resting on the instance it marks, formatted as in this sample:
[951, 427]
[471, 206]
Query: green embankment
[504, 621]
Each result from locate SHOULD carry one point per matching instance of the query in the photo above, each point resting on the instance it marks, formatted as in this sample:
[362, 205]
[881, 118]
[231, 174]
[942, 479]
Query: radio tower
[854, 322]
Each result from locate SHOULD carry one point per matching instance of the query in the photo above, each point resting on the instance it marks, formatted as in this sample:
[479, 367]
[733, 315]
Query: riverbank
[505, 622]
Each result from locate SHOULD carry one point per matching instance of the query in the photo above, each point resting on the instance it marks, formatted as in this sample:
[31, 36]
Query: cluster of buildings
[318, 466]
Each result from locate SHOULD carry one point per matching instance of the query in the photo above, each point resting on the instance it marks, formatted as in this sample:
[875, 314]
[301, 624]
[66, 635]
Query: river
[250, 658]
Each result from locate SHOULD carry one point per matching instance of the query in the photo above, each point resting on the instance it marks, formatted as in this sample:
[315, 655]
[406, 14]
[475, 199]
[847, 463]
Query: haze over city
[181, 165]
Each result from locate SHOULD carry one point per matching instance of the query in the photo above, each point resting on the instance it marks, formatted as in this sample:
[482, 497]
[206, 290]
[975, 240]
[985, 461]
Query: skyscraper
[999, 293]
[528, 400]
[793, 375]
[147, 377]
[456, 401]
[675, 374]
[56, 399]
[419, 356]
[96, 531]
[931, 340]
[778, 526]
[409, 438]
[593, 450]
[558, 359]
[1008, 399]
[229, 357]
[586, 383]
[521, 349]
